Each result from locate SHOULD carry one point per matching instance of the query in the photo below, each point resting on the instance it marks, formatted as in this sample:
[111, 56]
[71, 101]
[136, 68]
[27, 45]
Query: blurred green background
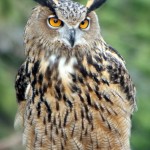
[125, 25]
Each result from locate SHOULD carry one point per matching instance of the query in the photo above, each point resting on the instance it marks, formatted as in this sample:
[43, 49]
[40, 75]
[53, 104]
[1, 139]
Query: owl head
[62, 23]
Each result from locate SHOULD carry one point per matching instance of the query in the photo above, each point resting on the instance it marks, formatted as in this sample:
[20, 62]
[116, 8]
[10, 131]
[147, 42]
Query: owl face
[63, 23]
[74, 29]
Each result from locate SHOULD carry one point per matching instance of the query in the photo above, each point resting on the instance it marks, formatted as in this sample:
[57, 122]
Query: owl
[73, 90]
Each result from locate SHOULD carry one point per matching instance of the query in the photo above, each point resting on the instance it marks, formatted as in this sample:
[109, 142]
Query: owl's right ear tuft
[51, 4]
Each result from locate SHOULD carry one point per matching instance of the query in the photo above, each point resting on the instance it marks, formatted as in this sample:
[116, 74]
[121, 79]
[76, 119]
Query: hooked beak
[71, 37]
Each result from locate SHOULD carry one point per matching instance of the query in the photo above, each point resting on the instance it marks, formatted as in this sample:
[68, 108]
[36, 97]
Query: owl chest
[70, 78]
[70, 82]
[72, 100]
[73, 83]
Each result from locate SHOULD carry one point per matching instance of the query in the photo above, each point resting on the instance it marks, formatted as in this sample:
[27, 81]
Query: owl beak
[71, 37]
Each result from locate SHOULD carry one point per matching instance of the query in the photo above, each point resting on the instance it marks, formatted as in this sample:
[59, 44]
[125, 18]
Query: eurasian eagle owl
[74, 91]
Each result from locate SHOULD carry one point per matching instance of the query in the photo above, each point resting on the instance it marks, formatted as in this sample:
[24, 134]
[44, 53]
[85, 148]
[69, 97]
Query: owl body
[73, 94]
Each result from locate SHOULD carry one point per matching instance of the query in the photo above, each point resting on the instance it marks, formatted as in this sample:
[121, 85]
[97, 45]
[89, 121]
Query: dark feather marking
[26, 67]
[104, 56]
[73, 130]
[116, 52]
[92, 126]
[86, 131]
[40, 80]
[105, 81]
[99, 95]
[44, 121]
[65, 119]
[57, 88]
[107, 98]
[69, 104]
[98, 67]
[81, 98]
[49, 117]
[122, 81]
[34, 82]
[48, 110]
[45, 130]
[81, 134]
[94, 77]
[45, 86]
[80, 80]
[35, 68]
[41, 94]
[126, 90]
[88, 115]
[56, 131]
[89, 87]
[88, 99]
[82, 124]
[77, 146]
[51, 135]
[62, 133]
[89, 59]
[60, 123]
[48, 73]
[98, 59]
[75, 89]
[62, 146]
[64, 97]
[36, 92]
[102, 109]
[74, 78]
[75, 116]
[83, 71]
[57, 105]
[38, 108]
[82, 113]
[96, 107]
[109, 127]
[67, 101]
[103, 119]
[21, 84]
[54, 121]
[109, 68]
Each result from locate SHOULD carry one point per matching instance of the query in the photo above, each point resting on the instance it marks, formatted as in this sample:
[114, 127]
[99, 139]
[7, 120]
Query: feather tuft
[48, 3]
[94, 4]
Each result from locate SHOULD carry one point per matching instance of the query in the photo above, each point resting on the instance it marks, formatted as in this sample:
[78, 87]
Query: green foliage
[124, 25]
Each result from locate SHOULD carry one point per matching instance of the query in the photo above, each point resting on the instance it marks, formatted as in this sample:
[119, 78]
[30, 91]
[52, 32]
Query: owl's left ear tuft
[48, 3]
[94, 4]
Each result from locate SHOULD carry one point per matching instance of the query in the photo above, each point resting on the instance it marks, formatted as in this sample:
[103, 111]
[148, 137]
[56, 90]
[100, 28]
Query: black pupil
[55, 20]
[82, 22]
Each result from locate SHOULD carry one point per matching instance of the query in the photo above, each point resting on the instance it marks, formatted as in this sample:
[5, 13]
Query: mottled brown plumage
[74, 91]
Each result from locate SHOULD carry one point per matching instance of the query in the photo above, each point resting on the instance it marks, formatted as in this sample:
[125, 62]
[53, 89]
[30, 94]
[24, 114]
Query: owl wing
[119, 75]
[21, 86]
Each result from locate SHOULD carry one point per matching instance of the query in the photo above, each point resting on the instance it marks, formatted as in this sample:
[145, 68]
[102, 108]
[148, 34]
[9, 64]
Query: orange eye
[55, 22]
[84, 24]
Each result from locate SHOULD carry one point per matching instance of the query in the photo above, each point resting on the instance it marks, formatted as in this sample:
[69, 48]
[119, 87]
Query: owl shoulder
[119, 74]
[22, 82]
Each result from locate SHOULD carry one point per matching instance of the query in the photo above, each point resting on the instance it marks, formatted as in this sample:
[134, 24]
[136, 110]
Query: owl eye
[54, 22]
[84, 24]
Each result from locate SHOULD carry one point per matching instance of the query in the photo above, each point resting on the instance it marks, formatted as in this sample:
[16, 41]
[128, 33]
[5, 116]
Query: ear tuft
[94, 4]
[48, 3]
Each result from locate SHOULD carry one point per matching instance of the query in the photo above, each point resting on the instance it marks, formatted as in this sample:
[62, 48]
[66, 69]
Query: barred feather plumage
[72, 94]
